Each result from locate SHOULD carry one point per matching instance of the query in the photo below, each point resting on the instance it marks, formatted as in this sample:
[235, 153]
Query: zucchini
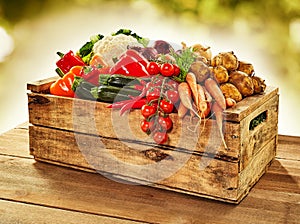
[122, 80]
[112, 93]
[110, 96]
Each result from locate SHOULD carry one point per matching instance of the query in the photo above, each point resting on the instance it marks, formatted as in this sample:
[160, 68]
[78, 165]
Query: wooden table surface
[35, 192]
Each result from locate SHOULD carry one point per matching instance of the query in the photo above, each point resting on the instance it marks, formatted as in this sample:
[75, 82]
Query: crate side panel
[172, 169]
[249, 104]
[254, 140]
[257, 167]
[95, 118]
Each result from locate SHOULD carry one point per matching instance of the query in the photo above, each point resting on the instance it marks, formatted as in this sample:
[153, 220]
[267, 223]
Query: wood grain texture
[16, 212]
[87, 135]
[56, 190]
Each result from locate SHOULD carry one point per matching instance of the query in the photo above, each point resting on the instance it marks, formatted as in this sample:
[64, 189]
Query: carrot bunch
[203, 99]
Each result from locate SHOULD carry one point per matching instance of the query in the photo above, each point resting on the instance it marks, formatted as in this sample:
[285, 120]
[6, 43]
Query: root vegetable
[202, 50]
[215, 91]
[259, 84]
[201, 70]
[192, 82]
[230, 102]
[220, 74]
[230, 91]
[218, 111]
[242, 82]
[226, 59]
[246, 67]
[182, 110]
[185, 95]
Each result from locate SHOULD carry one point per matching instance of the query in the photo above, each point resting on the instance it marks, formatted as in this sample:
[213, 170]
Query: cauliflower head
[113, 46]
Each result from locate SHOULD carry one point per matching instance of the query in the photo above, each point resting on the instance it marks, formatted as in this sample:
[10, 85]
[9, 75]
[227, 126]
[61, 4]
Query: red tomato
[148, 110]
[166, 123]
[152, 95]
[167, 69]
[172, 84]
[147, 126]
[152, 68]
[176, 70]
[166, 106]
[172, 95]
[160, 137]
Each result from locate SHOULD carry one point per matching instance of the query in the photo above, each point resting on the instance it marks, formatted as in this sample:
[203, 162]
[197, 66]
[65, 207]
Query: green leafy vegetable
[141, 40]
[184, 61]
[86, 51]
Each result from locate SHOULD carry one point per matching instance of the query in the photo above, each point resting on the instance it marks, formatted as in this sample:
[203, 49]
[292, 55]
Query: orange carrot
[215, 91]
[185, 95]
[230, 102]
[202, 105]
[182, 110]
[218, 111]
[206, 112]
[207, 95]
[191, 80]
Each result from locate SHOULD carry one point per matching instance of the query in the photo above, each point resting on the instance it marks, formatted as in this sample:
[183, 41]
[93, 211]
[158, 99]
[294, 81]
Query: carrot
[215, 91]
[185, 95]
[206, 112]
[207, 95]
[202, 105]
[218, 111]
[182, 110]
[191, 80]
[230, 102]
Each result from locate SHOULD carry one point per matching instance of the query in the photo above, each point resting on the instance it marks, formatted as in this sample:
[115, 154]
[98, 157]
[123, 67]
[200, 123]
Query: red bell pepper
[68, 60]
[131, 63]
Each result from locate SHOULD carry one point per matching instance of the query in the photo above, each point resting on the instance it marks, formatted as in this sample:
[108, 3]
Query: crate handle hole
[262, 117]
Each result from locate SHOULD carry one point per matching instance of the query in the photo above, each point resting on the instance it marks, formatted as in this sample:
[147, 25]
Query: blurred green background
[265, 33]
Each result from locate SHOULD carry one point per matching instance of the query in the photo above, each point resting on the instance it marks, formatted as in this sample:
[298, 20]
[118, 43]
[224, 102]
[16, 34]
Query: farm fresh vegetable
[129, 72]
[68, 60]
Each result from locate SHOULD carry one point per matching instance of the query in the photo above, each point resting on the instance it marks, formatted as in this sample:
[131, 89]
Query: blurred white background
[28, 47]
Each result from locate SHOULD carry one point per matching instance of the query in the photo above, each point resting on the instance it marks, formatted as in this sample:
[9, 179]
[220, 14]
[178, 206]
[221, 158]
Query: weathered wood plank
[180, 171]
[249, 104]
[16, 212]
[288, 147]
[41, 86]
[48, 185]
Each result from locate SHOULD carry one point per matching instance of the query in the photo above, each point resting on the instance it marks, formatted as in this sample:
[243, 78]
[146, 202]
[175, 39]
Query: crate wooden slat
[59, 124]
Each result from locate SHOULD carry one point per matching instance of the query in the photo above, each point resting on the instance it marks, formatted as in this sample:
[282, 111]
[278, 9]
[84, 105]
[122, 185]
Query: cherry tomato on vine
[153, 68]
[148, 110]
[172, 95]
[173, 84]
[176, 70]
[166, 106]
[167, 69]
[153, 94]
[165, 123]
[160, 137]
[147, 126]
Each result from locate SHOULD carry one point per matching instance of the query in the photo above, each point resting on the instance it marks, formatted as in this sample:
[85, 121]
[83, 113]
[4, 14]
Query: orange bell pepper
[63, 85]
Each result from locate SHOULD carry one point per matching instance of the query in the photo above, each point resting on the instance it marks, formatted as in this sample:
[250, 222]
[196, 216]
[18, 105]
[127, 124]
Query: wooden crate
[89, 136]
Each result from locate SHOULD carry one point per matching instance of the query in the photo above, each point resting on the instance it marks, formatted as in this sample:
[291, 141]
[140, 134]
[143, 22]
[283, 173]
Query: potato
[242, 82]
[201, 70]
[259, 84]
[220, 74]
[230, 91]
[227, 60]
[246, 67]
[204, 51]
